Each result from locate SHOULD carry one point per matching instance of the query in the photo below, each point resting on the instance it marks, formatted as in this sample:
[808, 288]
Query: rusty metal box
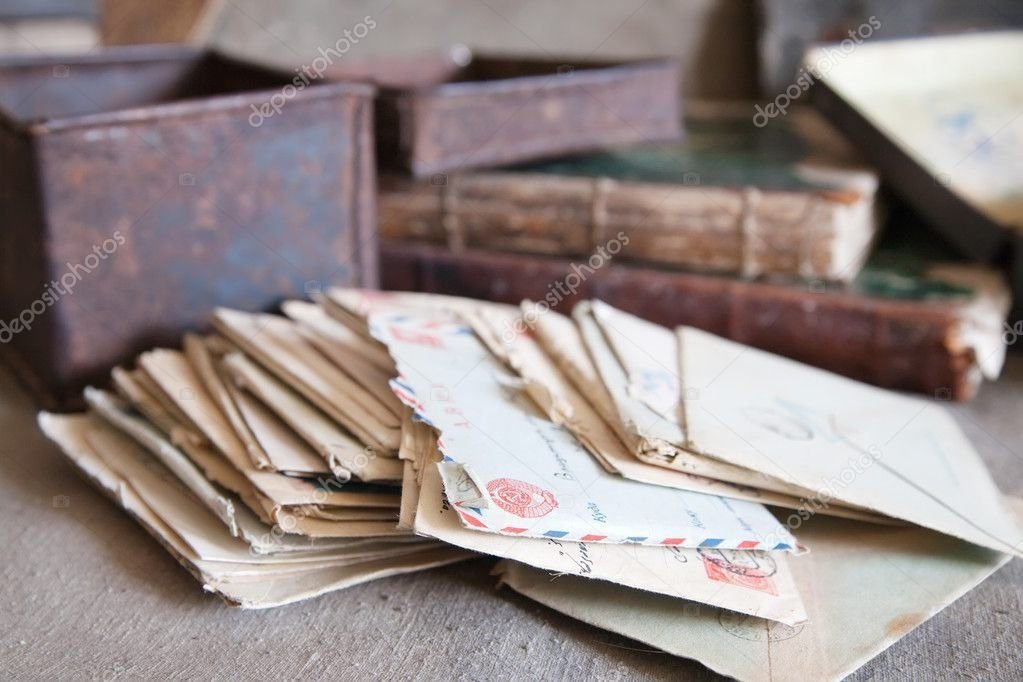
[438, 113]
[143, 186]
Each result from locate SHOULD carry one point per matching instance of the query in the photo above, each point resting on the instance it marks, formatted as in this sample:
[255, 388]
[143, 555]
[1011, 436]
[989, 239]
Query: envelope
[558, 352]
[299, 505]
[901, 456]
[865, 586]
[201, 357]
[637, 362]
[362, 359]
[353, 307]
[749, 582]
[284, 450]
[838, 440]
[511, 471]
[129, 385]
[204, 546]
[187, 473]
[337, 447]
[275, 342]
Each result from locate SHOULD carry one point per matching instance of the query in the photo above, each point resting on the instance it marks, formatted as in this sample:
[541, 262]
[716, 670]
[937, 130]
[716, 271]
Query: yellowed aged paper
[201, 358]
[901, 456]
[274, 497]
[274, 342]
[285, 451]
[340, 449]
[222, 563]
[513, 471]
[566, 406]
[865, 586]
[748, 582]
[346, 347]
[652, 436]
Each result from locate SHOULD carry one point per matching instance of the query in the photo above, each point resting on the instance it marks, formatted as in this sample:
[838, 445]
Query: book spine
[740, 231]
[894, 344]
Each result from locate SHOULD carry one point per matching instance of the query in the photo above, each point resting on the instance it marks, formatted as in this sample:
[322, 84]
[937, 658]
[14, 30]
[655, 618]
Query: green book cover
[718, 151]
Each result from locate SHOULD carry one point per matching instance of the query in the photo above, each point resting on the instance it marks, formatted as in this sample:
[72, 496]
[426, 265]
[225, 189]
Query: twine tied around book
[600, 188]
[748, 231]
[450, 220]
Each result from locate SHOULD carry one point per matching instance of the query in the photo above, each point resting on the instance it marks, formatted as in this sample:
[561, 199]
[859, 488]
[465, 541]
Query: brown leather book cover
[937, 332]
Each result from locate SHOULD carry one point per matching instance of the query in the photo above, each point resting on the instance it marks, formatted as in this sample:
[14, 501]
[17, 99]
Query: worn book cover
[784, 199]
[910, 320]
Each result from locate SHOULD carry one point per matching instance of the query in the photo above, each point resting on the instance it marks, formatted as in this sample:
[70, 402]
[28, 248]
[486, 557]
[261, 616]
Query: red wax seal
[522, 499]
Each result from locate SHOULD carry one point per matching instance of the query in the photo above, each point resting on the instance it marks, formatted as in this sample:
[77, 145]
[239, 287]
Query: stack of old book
[371, 434]
[765, 234]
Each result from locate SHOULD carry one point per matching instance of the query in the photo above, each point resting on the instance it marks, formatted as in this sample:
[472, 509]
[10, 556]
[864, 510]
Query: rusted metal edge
[107, 55]
[181, 108]
[186, 108]
[585, 74]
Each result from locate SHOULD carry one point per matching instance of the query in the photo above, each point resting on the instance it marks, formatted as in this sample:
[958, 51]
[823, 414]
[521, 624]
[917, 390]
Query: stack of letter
[681, 489]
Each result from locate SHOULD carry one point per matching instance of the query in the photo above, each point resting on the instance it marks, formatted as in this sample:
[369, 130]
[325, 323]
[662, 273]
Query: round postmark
[743, 569]
[755, 629]
[520, 498]
[742, 562]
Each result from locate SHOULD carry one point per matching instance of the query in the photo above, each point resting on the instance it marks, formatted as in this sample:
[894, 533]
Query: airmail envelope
[750, 582]
[510, 470]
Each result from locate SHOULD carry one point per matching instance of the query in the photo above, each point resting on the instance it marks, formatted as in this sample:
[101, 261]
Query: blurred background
[728, 49]
[733, 56]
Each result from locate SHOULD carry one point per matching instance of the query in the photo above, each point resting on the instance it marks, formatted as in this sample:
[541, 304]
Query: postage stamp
[520, 498]
[749, 569]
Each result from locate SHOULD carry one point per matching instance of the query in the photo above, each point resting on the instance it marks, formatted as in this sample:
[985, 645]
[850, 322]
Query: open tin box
[143, 186]
[455, 110]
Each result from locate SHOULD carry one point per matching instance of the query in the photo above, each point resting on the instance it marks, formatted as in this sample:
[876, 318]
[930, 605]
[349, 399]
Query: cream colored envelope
[364, 360]
[547, 379]
[182, 386]
[335, 445]
[192, 522]
[748, 582]
[237, 575]
[109, 408]
[275, 342]
[352, 307]
[865, 586]
[128, 384]
[286, 501]
[655, 436]
[285, 451]
[509, 470]
[839, 441]
[898, 455]
[203, 362]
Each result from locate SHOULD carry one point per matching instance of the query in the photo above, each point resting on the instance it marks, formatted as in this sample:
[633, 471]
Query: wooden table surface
[88, 594]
